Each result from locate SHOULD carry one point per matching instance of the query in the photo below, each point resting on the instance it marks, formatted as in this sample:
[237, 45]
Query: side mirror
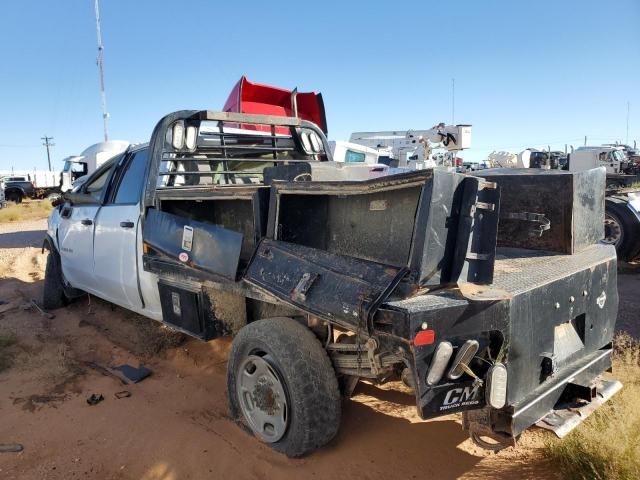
[76, 198]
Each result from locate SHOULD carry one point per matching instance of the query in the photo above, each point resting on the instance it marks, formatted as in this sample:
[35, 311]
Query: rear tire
[294, 362]
[14, 197]
[622, 230]
[53, 295]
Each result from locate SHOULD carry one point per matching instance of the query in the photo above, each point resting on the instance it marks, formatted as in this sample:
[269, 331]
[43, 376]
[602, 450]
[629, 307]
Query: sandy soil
[174, 425]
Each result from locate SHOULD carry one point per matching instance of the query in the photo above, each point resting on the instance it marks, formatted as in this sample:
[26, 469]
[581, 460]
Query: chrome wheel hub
[612, 230]
[262, 398]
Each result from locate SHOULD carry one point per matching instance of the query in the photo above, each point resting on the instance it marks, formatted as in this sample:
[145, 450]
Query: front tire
[53, 295]
[280, 379]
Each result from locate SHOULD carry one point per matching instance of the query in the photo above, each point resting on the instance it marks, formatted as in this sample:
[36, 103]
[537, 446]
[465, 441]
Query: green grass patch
[607, 444]
[27, 210]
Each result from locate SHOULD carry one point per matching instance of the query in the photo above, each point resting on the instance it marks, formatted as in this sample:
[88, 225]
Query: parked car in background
[3, 202]
[17, 188]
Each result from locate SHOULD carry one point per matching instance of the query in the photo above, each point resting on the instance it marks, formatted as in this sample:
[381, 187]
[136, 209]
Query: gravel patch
[22, 234]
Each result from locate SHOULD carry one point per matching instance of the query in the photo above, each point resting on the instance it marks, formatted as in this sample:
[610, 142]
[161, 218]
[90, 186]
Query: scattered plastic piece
[131, 374]
[10, 447]
[122, 394]
[43, 312]
[95, 398]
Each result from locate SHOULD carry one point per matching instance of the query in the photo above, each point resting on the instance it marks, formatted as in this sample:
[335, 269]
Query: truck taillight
[190, 137]
[439, 362]
[424, 337]
[497, 386]
[465, 354]
[177, 135]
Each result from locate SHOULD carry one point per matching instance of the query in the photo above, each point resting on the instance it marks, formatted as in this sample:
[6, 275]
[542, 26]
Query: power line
[47, 143]
[11, 145]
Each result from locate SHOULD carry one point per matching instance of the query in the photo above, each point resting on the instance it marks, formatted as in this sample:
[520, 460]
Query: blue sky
[527, 73]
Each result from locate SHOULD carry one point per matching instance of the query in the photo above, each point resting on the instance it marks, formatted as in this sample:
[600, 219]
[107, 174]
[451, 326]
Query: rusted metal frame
[224, 151]
[157, 144]
[208, 137]
[239, 192]
[196, 172]
[243, 118]
[274, 299]
[355, 187]
[205, 148]
[373, 306]
[234, 159]
[418, 236]
[273, 142]
[182, 274]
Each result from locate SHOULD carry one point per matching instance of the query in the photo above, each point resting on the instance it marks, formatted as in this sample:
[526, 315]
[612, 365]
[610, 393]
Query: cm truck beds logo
[461, 397]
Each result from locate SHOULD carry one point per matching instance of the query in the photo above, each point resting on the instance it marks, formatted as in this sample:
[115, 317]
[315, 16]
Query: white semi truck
[77, 167]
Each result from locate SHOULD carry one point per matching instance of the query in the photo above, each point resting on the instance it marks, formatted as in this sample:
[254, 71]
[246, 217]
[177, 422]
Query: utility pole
[585, 140]
[47, 143]
[103, 95]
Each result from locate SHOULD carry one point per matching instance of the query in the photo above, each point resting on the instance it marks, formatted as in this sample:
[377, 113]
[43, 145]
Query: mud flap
[337, 288]
[197, 244]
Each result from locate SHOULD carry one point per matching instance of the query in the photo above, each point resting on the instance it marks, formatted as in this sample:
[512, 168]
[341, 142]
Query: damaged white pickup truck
[219, 227]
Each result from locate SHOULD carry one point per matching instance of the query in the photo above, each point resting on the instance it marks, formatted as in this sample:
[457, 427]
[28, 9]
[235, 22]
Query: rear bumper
[559, 405]
[580, 382]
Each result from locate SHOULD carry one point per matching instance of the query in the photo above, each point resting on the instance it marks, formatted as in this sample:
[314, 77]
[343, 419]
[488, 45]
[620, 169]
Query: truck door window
[97, 185]
[131, 181]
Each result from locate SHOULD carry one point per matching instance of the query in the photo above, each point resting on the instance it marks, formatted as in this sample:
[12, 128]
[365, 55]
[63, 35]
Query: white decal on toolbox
[601, 299]
[175, 300]
[187, 238]
[461, 397]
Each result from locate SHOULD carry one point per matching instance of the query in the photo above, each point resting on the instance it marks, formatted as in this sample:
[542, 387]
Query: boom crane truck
[414, 149]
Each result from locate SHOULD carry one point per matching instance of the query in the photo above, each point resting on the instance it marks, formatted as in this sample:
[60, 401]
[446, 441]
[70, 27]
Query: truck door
[117, 235]
[76, 232]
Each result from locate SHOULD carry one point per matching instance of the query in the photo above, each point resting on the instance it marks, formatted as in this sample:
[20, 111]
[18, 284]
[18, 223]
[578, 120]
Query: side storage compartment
[187, 310]
[205, 313]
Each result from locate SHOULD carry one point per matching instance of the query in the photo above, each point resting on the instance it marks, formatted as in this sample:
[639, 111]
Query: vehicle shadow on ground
[415, 448]
[379, 439]
[28, 238]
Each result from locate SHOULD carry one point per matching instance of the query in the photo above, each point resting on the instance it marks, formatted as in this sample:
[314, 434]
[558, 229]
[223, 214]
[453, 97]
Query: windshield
[617, 156]
[79, 167]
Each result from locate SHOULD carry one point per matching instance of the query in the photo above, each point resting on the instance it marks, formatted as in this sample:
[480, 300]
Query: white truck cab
[585, 158]
[78, 166]
[99, 238]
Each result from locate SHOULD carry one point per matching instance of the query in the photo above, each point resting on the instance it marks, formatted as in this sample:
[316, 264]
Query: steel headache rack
[204, 148]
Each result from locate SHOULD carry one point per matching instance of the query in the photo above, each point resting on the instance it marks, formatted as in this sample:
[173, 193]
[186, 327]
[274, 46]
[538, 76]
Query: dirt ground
[174, 425]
